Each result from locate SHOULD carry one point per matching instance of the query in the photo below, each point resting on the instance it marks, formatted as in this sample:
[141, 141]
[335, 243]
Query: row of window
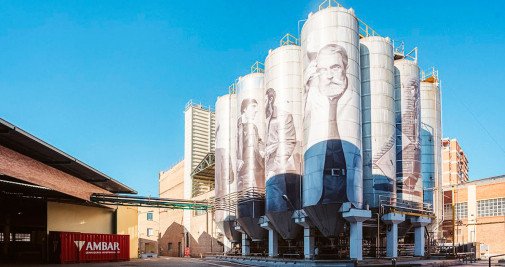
[491, 207]
[485, 208]
[19, 237]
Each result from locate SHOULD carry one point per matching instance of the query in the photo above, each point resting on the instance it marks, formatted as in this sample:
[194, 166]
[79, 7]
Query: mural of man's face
[250, 112]
[332, 74]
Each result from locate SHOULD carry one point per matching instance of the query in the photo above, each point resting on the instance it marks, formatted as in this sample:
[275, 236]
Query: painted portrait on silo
[409, 171]
[250, 147]
[280, 138]
[328, 103]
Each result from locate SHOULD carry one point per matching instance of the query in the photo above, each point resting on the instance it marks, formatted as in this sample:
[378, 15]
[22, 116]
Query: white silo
[409, 184]
[251, 154]
[225, 160]
[378, 118]
[332, 117]
[283, 139]
[431, 142]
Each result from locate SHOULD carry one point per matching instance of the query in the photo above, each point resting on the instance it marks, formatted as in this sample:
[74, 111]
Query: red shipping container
[67, 247]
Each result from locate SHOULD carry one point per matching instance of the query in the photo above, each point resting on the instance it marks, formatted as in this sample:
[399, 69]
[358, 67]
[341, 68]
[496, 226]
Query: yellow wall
[127, 224]
[77, 218]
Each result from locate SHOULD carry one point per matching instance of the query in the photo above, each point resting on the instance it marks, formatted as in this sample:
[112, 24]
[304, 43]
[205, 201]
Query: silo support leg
[419, 223]
[308, 243]
[273, 243]
[356, 218]
[227, 245]
[246, 246]
[392, 220]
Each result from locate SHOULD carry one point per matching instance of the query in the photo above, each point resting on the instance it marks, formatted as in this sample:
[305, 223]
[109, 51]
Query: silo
[409, 185]
[251, 154]
[431, 143]
[332, 117]
[378, 117]
[225, 160]
[283, 138]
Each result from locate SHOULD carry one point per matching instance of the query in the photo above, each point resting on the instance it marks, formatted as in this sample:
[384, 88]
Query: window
[491, 207]
[149, 231]
[21, 237]
[461, 211]
[448, 212]
[149, 216]
[169, 246]
[199, 212]
[1, 237]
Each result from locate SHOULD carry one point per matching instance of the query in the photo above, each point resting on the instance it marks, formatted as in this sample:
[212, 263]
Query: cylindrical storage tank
[332, 117]
[225, 160]
[431, 143]
[251, 154]
[283, 138]
[378, 118]
[409, 186]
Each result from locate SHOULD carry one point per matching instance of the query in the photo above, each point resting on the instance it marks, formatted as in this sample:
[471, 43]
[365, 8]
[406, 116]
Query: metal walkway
[153, 202]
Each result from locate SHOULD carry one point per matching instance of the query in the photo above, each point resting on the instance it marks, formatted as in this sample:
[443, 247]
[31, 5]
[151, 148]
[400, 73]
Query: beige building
[480, 213]
[177, 232]
[454, 162]
[149, 230]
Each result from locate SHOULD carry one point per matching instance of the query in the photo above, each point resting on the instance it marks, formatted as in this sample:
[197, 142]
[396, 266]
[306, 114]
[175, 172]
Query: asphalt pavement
[161, 261]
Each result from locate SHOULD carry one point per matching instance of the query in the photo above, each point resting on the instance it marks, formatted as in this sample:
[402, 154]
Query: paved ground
[161, 261]
[182, 262]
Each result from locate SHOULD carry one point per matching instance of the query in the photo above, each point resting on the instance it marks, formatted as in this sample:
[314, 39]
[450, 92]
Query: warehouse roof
[24, 143]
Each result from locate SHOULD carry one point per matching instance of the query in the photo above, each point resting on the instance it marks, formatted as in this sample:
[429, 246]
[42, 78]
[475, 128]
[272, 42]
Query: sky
[107, 81]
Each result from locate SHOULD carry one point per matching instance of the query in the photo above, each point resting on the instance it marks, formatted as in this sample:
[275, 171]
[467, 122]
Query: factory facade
[480, 213]
[43, 189]
[191, 232]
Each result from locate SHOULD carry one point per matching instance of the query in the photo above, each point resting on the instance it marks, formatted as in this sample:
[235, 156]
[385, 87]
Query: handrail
[432, 74]
[367, 30]
[258, 67]
[494, 256]
[289, 39]
[329, 4]
[232, 89]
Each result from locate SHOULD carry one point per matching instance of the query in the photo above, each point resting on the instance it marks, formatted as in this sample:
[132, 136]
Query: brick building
[43, 189]
[455, 163]
[480, 213]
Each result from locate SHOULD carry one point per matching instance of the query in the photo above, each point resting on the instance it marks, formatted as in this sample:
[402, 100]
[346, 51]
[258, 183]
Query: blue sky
[107, 81]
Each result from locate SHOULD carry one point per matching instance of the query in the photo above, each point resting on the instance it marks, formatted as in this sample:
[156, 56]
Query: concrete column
[303, 220]
[392, 220]
[246, 246]
[419, 223]
[308, 243]
[356, 218]
[273, 243]
[273, 237]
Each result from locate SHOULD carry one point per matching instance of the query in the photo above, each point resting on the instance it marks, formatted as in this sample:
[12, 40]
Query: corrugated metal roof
[25, 143]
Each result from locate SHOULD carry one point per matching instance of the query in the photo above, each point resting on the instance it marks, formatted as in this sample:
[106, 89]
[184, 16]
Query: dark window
[149, 216]
[169, 246]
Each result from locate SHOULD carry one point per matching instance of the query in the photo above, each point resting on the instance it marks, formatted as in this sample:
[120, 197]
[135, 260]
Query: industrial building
[191, 232]
[480, 214]
[353, 114]
[43, 189]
